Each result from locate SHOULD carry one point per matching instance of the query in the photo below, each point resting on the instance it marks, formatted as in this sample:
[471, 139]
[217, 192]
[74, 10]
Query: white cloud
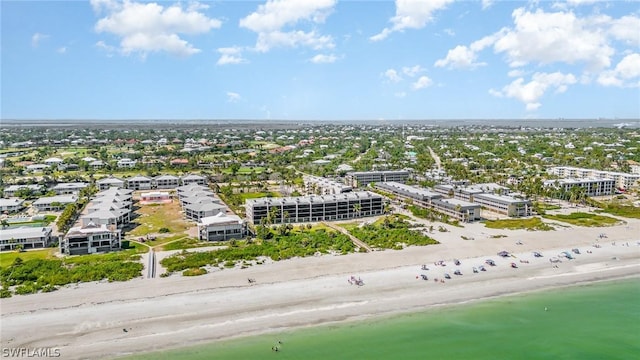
[274, 39]
[530, 93]
[422, 83]
[487, 4]
[269, 20]
[515, 73]
[230, 55]
[545, 38]
[324, 59]
[625, 74]
[37, 38]
[61, 50]
[392, 75]
[411, 14]
[626, 29]
[413, 70]
[400, 94]
[541, 38]
[459, 57]
[150, 27]
[233, 97]
[449, 32]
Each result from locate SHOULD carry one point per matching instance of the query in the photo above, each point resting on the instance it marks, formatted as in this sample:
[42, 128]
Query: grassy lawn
[256, 195]
[628, 211]
[154, 217]
[245, 170]
[584, 219]
[7, 258]
[531, 224]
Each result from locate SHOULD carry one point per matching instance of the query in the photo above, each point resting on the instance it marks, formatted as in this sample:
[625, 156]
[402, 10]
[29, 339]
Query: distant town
[240, 195]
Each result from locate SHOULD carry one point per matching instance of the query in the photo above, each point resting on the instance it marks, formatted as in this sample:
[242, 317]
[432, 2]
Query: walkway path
[354, 239]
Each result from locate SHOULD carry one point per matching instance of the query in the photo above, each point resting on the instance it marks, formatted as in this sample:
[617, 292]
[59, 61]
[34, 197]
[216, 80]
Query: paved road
[435, 157]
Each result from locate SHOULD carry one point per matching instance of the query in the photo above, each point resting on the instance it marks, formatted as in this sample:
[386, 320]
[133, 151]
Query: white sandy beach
[87, 321]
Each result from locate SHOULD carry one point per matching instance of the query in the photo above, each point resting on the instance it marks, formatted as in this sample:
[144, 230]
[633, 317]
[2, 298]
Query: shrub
[194, 272]
[164, 230]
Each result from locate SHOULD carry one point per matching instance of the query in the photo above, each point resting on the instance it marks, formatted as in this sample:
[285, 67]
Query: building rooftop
[64, 199]
[501, 198]
[24, 232]
[220, 219]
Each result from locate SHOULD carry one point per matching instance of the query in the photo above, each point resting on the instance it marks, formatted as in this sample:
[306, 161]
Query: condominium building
[592, 187]
[54, 203]
[221, 227]
[363, 178]
[503, 204]
[457, 209]
[166, 182]
[315, 185]
[315, 208]
[90, 239]
[457, 192]
[28, 237]
[419, 196]
[193, 179]
[139, 183]
[196, 212]
[69, 188]
[11, 190]
[11, 205]
[622, 180]
[111, 181]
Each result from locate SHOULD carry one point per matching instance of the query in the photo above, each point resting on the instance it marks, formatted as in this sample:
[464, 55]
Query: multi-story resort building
[419, 196]
[54, 203]
[457, 192]
[363, 178]
[108, 182]
[592, 187]
[315, 185]
[90, 239]
[11, 205]
[315, 208]
[110, 207]
[622, 180]
[139, 183]
[28, 237]
[69, 188]
[198, 211]
[457, 209]
[504, 204]
[166, 182]
[193, 179]
[221, 227]
[11, 191]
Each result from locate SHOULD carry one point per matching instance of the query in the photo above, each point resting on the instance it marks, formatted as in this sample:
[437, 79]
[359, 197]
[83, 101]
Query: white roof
[220, 218]
[10, 201]
[63, 199]
[24, 232]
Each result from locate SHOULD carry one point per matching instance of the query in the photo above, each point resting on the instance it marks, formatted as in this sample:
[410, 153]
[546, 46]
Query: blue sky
[320, 59]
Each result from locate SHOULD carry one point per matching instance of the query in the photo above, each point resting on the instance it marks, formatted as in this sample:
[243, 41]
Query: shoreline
[177, 312]
[384, 315]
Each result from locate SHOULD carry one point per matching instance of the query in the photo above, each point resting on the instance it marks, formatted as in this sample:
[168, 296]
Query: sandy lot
[87, 321]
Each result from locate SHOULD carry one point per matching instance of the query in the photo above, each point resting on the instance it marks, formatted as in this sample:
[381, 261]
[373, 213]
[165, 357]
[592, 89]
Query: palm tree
[357, 208]
[5, 223]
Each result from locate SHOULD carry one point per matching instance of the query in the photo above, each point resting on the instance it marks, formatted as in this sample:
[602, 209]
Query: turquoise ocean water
[595, 321]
